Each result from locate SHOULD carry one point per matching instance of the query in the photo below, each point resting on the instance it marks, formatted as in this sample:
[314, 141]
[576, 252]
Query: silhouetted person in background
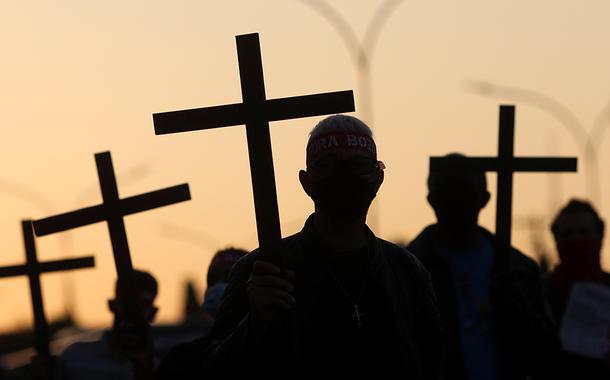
[345, 304]
[578, 232]
[217, 278]
[114, 355]
[496, 326]
[38, 369]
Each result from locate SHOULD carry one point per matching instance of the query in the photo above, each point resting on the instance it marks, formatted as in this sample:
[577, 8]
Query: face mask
[580, 255]
[579, 262]
[213, 297]
[343, 196]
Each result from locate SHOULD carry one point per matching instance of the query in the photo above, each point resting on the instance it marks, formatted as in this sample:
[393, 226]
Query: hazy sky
[80, 77]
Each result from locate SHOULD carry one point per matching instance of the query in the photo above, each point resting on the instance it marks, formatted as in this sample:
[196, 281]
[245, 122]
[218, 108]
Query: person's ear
[305, 181]
[431, 200]
[380, 179]
[484, 199]
[112, 306]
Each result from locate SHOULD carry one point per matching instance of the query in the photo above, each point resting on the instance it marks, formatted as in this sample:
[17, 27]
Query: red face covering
[579, 262]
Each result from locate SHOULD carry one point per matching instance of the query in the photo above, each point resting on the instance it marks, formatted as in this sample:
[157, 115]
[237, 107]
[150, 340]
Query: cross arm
[310, 105]
[51, 266]
[13, 271]
[199, 118]
[447, 164]
[545, 164]
[69, 220]
[67, 264]
[155, 199]
[490, 164]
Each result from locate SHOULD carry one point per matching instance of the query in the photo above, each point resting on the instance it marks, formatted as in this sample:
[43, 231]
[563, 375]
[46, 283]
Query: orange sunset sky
[80, 77]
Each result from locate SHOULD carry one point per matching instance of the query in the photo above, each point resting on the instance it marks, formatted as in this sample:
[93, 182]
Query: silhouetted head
[222, 263]
[343, 174]
[457, 197]
[578, 231]
[146, 288]
[218, 276]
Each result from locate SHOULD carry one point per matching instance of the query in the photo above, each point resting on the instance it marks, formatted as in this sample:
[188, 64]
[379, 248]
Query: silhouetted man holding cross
[112, 356]
[344, 304]
[490, 295]
[112, 211]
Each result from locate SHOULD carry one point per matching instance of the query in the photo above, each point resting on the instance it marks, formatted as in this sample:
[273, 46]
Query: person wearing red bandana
[578, 232]
[344, 303]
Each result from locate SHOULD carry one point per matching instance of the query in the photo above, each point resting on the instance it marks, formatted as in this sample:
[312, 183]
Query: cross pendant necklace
[357, 315]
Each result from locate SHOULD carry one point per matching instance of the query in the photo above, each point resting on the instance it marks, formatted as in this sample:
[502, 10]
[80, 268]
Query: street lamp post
[361, 52]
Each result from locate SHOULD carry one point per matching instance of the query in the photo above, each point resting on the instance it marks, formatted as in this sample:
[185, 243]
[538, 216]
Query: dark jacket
[228, 350]
[528, 344]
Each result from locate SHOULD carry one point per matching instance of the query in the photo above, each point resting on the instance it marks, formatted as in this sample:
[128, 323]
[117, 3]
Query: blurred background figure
[578, 231]
[218, 274]
[115, 355]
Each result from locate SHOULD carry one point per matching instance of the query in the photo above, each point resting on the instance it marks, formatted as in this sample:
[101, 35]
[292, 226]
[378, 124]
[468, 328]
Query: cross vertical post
[41, 327]
[504, 197]
[118, 235]
[259, 144]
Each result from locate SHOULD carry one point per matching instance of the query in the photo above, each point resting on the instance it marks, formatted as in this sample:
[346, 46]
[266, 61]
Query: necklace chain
[357, 314]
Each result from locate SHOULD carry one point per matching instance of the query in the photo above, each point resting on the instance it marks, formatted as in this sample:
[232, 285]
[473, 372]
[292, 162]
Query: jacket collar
[426, 246]
[312, 241]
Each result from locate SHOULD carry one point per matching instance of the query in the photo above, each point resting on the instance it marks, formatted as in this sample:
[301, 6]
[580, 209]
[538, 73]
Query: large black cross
[256, 112]
[33, 269]
[505, 164]
[112, 210]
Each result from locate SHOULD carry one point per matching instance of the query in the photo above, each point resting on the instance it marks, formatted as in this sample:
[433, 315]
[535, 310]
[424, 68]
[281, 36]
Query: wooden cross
[256, 111]
[112, 210]
[33, 269]
[505, 164]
